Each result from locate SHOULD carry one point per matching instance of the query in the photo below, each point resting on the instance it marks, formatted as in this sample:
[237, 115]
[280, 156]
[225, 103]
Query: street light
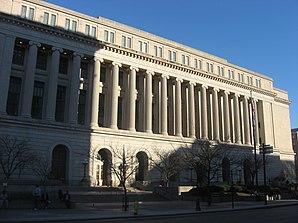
[85, 163]
[196, 159]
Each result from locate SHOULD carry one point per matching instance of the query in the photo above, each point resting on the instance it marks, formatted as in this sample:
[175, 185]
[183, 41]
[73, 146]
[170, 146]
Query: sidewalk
[87, 211]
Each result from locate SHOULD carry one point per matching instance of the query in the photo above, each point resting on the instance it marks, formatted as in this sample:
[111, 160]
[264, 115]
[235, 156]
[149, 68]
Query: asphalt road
[287, 214]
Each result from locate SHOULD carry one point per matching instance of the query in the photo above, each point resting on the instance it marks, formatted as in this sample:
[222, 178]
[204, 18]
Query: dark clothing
[66, 199]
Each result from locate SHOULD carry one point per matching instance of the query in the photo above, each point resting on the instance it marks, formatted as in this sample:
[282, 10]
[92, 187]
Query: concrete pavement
[87, 211]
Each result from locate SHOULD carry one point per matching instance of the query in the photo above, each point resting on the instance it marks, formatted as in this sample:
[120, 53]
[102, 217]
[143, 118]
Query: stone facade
[79, 87]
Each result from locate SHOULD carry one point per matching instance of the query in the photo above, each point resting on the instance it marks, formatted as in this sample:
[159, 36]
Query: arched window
[247, 167]
[226, 170]
[106, 158]
[142, 171]
[59, 163]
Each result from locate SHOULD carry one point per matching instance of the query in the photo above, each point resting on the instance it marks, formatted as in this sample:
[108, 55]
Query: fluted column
[256, 123]
[74, 89]
[191, 99]
[148, 102]
[246, 121]
[132, 99]
[204, 118]
[114, 95]
[178, 115]
[53, 79]
[237, 119]
[95, 92]
[29, 79]
[6, 55]
[164, 105]
[227, 117]
[215, 114]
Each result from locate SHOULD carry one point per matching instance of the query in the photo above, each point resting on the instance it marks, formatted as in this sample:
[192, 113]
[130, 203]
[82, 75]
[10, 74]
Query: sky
[260, 35]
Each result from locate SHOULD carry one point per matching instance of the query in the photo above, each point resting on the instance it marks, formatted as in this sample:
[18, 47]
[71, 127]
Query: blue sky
[260, 35]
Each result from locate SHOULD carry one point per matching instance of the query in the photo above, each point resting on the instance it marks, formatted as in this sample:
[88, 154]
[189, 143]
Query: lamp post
[84, 180]
[196, 159]
[240, 173]
[232, 188]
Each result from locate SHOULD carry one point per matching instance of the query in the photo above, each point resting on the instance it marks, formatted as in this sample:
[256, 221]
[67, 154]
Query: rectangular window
[74, 26]
[63, 65]
[101, 109]
[67, 24]
[160, 51]
[84, 70]
[93, 31]
[37, 100]
[82, 107]
[196, 63]
[155, 51]
[31, 13]
[45, 18]
[140, 46]
[42, 59]
[60, 103]
[102, 74]
[123, 41]
[145, 47]
[18, 55]
[129, 42]
[106, 36]
[169, 55]
[112, 37]
[53, 20]
[119, 118]
[183, 59]
[208, 67]
[223, 71]
[200, 64]
[174, 56]
[87, 30]
[13, 98]
[120, 79]
[186, 60]
[23, 11]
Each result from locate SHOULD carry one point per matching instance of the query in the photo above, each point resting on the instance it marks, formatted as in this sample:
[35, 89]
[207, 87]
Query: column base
[165, 133]
[132, 129]
[113, 127]
[149, 131]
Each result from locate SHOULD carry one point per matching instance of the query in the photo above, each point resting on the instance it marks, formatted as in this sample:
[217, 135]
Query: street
[287, 214]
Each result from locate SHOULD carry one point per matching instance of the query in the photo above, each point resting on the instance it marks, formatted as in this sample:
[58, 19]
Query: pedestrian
[45, 199]
[3, 199]
[37, 196]
[60, 195]
[66, 199]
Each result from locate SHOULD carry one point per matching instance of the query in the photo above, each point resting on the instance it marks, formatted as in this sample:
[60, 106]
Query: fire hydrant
[136, 207]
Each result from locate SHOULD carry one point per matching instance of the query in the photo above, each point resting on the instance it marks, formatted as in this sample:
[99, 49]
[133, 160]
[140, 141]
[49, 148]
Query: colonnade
[182, 107]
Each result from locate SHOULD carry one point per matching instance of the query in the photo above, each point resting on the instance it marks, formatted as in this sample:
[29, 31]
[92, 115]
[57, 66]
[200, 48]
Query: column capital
[204, 86]
[60, 50]
[116, 64]
[75, 54]
[226, 92]
[134, 68]
[192, 83]
[165, 76]
[177, 79]
[236, 95]
[97, 59]
[150, 72]
[33, 43]
[216, 89]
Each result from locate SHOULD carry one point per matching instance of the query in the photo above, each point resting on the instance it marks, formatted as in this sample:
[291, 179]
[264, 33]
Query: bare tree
[248, 161]
[124, 167]
[15, 154]
[167, 163]
[42, 167]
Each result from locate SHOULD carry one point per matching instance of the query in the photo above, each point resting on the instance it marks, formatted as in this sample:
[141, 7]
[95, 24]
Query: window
[183, 59]
[13, 98]
[63, 65]
[160, 51]
[18, 55]
[23, 11]
[123, 42]
[106, 36]
[120, 79]
[46, 18]
[186, 60]
[53, 20]
[74, 26]
[155, 51]
[42, 60]
[198, 64]
[60, 103]
[143, 47]
[67, 24]
[87, 30]
[82, 107]
[84, 70]
[112, 37]
[169, 55]
[174, 56]
[258, 83]
[240, 77]
[101, 110]
[129, 42]
[119, 115]
[93, 32]
[102, 74]
[31, 13]
[231, 74]
[209, 67]
[220, 71]
[109, 36]
[37, 101]
[249, 80]
[140, 46]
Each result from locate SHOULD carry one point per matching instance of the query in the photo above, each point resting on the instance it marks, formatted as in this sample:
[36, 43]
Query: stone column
[237, 119]
[95, 92]
[215, 114]
[246, 121]
[29, 79]
[227, 117]
[74, 88]
[53, 80]
[191, 99]
[148, 102]
[256, 123]
[164, 104]
[6, 54]
[178, 115]
[132, 99]
[114, 95]
[204, 118]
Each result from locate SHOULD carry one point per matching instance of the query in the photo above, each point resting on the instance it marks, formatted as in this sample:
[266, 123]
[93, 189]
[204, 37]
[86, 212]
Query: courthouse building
[79, 87]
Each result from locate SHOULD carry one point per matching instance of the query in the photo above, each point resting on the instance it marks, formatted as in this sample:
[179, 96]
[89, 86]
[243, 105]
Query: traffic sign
[266, 149]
